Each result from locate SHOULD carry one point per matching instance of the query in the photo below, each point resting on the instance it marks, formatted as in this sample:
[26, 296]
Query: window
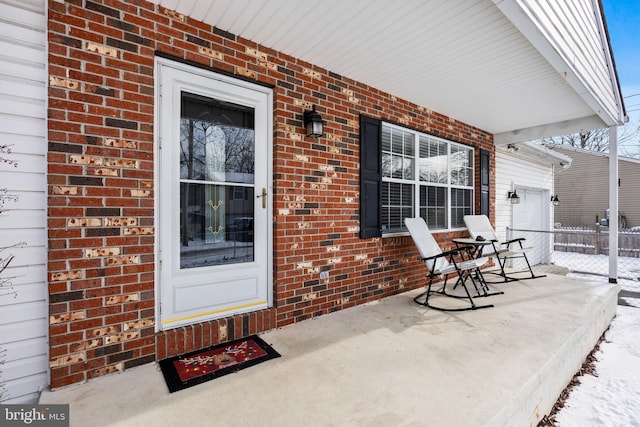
[216, 164]
[425, 174]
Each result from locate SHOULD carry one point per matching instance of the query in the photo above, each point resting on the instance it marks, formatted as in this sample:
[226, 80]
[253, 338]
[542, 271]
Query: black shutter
[484, 182]
[370, 177]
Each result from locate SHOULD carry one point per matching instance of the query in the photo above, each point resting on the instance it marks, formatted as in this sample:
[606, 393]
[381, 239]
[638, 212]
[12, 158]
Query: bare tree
[598, 140]
[630, 146]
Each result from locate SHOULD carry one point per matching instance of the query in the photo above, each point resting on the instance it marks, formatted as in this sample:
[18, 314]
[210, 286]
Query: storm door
[214, 195]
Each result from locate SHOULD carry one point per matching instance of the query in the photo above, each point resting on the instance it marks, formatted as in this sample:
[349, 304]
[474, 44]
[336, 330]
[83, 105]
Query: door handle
[264, 198]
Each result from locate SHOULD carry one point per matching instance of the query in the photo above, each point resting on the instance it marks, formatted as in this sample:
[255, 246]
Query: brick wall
[101, 186]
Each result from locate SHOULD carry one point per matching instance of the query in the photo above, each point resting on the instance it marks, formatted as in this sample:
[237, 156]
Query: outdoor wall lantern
[513, 197]
[313, 122]
[555, 200]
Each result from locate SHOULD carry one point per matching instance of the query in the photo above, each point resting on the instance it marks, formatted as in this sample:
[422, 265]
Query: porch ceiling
[481, 62]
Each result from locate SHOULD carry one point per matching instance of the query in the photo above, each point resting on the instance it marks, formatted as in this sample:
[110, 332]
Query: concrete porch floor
[389, 363]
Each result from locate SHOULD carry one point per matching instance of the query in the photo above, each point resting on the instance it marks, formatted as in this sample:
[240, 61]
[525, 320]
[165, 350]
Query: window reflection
[433, 160]
[217, 158]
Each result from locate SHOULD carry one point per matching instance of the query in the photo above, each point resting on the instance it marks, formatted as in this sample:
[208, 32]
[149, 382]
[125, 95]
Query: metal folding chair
[480, 227]
[444, 263]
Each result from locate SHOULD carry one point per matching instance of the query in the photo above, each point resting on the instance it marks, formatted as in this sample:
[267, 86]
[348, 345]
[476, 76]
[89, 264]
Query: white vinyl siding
[571, 36]
[23, 91]
[573, 26]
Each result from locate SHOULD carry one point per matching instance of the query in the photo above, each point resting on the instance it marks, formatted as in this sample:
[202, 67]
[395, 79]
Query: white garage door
[532, 213]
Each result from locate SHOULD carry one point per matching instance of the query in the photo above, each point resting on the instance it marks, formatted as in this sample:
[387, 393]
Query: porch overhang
[514, 68]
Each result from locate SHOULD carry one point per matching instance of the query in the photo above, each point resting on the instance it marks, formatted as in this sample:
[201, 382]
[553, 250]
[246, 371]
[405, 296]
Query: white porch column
[613, 204]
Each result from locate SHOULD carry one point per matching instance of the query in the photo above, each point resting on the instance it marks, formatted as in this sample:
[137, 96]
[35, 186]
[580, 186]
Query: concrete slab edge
[537, 396]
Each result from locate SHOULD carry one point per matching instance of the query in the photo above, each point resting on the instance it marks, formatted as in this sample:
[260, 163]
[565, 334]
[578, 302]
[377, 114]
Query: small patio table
[474, 249]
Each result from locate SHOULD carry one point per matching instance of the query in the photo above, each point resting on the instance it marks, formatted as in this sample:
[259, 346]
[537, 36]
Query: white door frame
[175, 68]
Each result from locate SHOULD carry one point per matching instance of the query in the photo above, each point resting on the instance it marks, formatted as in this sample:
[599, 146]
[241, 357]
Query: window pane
[216, 140]
[386, 139]
[397, 204]
[386, 165]
[386, 152]
[408, 168]
[461, 166]
[433, 160]
[461, 205]
[433, 206]
[397, 141]
[398, 159]
[396, 167]
[215, 227]
[408, 144]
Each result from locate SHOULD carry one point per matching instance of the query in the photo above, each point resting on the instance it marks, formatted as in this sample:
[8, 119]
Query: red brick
[66, 338]
[86, 324]
[57, 382]
[172, 345]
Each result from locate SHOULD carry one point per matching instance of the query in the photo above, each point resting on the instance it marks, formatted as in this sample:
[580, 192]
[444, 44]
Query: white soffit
[461, 58]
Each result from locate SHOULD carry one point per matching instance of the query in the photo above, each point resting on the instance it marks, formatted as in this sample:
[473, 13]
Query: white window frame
[416, 183]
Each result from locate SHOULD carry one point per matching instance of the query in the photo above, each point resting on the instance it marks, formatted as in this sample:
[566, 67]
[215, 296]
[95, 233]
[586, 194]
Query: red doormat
[193, 368]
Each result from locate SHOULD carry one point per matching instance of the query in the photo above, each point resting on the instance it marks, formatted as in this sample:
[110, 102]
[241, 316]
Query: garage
[528, 169]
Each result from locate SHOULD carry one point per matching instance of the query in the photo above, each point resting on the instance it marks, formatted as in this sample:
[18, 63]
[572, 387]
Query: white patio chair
[444, 263]
[480, 227]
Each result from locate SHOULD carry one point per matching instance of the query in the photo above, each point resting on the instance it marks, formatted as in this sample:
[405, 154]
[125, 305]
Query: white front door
[214, 236]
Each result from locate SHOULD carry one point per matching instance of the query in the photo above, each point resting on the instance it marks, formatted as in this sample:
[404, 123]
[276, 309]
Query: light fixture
[513, 197]
[555, 200]
[313, 123]
[512, 148]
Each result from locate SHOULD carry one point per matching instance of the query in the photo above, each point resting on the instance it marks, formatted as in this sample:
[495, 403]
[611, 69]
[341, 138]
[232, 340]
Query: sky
[622, 18]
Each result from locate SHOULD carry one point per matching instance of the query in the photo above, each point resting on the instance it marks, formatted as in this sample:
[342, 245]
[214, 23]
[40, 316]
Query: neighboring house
[187, 206]
[528, 169]
[585, 197]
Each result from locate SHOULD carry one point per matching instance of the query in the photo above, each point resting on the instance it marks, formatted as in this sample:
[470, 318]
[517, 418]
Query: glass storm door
[214, 193]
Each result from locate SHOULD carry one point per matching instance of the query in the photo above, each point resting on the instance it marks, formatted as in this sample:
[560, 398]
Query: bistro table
[474, 249]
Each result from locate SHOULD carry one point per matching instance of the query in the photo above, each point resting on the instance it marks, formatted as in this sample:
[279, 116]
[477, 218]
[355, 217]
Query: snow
[613, 397]
[590, 266]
